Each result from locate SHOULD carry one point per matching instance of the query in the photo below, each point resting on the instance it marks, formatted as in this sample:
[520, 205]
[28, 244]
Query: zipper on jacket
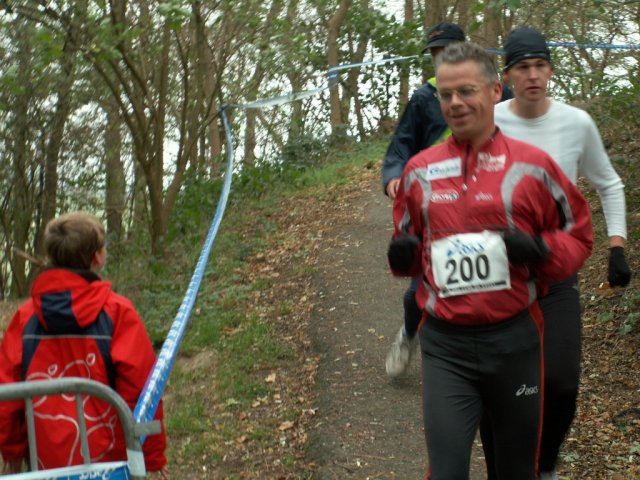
[464, 172]
[465, 187]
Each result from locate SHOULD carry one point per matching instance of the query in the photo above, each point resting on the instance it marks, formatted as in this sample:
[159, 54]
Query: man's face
[467, 100]
[529, 79]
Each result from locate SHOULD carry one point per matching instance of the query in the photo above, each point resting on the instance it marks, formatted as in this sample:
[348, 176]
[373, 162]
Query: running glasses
[464, 93]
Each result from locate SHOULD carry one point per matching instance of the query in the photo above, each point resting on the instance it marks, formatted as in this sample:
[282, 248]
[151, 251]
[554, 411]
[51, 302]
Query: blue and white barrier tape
[150, 397]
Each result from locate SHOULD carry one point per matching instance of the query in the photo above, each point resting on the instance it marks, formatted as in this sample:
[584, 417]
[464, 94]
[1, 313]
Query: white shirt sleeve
[595, 166]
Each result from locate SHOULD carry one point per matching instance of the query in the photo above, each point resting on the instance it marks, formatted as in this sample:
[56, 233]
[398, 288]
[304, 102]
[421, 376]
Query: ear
[99, 259]
[505, 77]
[497, 91]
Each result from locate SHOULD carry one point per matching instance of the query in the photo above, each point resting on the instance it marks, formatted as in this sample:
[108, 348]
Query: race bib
[469, 263]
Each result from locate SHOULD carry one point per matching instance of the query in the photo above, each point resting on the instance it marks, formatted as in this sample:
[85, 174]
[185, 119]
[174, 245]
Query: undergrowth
[239, 344]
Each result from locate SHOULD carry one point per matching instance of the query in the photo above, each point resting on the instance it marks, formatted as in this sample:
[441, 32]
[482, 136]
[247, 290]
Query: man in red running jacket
[487, 221]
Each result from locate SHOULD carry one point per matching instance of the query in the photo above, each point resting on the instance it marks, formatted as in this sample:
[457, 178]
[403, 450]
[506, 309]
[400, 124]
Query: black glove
[523, 248]
[401, 252]
[619, 272]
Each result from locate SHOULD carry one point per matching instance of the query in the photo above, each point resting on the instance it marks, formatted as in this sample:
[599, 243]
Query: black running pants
[468, 370]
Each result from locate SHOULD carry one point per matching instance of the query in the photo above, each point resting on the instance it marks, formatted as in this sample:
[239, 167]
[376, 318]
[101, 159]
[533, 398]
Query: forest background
[113, 106]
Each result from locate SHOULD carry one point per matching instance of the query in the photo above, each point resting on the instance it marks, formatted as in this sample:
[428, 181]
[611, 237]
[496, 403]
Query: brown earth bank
[352, 421]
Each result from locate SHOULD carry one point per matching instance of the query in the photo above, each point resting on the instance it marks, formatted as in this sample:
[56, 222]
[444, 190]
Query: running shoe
[400, 353]
[549, 475]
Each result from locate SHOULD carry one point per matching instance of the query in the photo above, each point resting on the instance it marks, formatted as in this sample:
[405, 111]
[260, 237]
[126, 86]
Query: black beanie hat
[523, 43]
[443, 34]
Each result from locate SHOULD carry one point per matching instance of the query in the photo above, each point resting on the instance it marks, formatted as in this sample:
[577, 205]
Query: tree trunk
[435, 12]
[352, 81]
[403, 98]
[210, 85]
[159, 209]
[491, 27]
[296, 121]
[354, 91]
[205, 85]
[22, 207]
[333, 59]
[255, 82]
[465, 14]
[56, 133]
[250, 138]
[115, 194]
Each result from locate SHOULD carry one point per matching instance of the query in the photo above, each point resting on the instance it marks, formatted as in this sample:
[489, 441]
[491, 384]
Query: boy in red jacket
[74, 325]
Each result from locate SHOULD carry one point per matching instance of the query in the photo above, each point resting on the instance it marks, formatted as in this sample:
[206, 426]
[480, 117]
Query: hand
[392, 188]
[12, 466]
[523, 248]
[619, 272]
[401, 252]
[159, 474]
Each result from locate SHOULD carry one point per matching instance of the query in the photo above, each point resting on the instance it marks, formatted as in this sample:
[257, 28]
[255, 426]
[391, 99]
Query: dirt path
[368, 426]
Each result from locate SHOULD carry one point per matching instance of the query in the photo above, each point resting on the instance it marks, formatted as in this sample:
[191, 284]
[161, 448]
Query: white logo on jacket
[489, 163]
[483, 197]
[99, 423]
[444, 196]
[445, 169]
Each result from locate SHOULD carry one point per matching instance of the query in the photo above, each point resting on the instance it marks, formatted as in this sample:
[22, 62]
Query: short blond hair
[72, 240]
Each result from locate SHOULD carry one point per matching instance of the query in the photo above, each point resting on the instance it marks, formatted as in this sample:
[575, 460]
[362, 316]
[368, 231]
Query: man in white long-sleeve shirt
[570, 136]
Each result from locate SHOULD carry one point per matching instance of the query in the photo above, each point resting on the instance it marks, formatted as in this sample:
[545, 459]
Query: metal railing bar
[31, 435]
[82, 426]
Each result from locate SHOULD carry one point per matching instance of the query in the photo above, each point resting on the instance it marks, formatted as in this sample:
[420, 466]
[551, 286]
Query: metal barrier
[131, 469]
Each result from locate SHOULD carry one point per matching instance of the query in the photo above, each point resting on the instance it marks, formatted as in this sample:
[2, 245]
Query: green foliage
[188, 418]
[605, 317]
[304, 152]
[296, 157]
[8, 79]
[159, 303]
[388, 36]
[617, 105]
[629, 323]
[299, 159]
[569, 457]
[176, 12]
[256, 180]
[194, 205]
[49, 47]
[511, 4]
[625, 312]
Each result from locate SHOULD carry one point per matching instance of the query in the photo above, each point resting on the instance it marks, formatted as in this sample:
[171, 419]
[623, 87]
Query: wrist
[616, 241]
[545, 251]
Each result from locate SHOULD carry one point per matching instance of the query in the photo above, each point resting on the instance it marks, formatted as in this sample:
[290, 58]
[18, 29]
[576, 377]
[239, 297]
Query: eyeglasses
[466, 92]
